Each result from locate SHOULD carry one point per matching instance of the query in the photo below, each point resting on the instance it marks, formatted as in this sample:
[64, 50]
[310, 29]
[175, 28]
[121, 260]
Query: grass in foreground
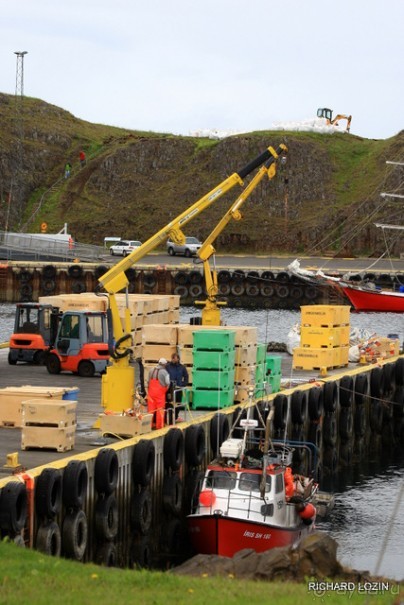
[27, 576]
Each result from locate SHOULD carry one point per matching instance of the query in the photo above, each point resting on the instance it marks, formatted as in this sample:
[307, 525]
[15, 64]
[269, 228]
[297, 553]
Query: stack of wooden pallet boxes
[324, 337]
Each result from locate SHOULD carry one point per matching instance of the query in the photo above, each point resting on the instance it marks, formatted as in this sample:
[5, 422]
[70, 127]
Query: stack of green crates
[274, 372]
[260, 371]
[213, 369]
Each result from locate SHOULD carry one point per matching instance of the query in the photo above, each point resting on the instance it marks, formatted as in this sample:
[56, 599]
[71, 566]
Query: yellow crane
[118, 383]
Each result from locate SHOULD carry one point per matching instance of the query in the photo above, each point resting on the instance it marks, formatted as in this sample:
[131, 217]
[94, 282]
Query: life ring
[44, 227]
[149, 280]
[195, 290]
[49, 271]
[224, 289]
[330, 460]
[74, 535]
[398, 402]
[315, 434]
[143, 463]
[195, 277]
[330, 430]
[252, 277]
[237, 289]
[101, 269]
[361, 388]
[106, 555]
[238, 276]
[48, 285]
[78, 287]
[181, 278]
[345, 423]
[310, 292]
[48, 493]
[195, 444]
[346, 391]
[281, 411]
[219, 431]
[316, 403]
[252, 290]
[106, 517]
[267, 291]
[173, 449]
[48, 539]
[181, 291]
[140, 553]
[13, 507]
[330, 396]
[298, 407]
[141, 511]
[75, 480]
[376, 416]
[360, 421]
[172, 494]
[399, 371]
[223, 277]
[75, 271]
[106, 470]
[282, 291]
[193, 484]
[377, 382]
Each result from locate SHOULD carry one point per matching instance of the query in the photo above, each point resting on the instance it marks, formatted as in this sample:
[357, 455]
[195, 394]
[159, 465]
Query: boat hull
[376, 301]
[223, 535]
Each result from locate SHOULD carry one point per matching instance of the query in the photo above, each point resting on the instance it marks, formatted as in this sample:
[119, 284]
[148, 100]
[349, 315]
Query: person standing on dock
[159, 381]
[178, 380]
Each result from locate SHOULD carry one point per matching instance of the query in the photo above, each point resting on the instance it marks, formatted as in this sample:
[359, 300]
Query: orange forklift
[34, 327]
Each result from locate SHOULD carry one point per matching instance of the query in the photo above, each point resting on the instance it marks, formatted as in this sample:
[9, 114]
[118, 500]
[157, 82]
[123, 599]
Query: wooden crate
[45, 437]
[152, 353]
[173, 316]
[87, 301]
[186, 355]
[159, 334]
[125, 426]
[52, 412]
[325, 315]
[245, 375]
[246, 356]
[11, 399]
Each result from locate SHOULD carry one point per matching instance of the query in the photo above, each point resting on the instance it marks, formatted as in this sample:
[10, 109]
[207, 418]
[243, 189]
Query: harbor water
[368, 518]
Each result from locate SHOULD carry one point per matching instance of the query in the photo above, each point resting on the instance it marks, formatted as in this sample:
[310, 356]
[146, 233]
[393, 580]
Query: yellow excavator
[118, 383]
[324, 112]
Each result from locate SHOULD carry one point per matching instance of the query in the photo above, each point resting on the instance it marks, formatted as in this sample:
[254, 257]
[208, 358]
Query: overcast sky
[181, 65]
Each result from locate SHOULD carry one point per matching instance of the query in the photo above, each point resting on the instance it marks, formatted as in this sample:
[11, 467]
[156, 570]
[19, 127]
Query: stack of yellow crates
[324, 337]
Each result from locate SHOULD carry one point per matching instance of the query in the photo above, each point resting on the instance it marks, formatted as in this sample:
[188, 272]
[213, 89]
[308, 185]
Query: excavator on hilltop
[324, 112]
[118, 384]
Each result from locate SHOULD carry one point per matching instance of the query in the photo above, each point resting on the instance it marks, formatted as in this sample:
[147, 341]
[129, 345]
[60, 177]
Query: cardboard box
[55, 412]
[45, 437]
[126, 426]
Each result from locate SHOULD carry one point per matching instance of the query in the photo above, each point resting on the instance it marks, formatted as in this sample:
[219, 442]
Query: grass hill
[326, 197]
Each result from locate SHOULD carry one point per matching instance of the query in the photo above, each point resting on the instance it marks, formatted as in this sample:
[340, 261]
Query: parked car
[124, 247]
[190, 248]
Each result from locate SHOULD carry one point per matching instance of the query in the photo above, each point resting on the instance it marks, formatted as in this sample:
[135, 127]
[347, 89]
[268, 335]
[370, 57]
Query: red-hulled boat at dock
[250, 498]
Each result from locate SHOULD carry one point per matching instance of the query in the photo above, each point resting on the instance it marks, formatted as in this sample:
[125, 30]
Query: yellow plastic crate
[318, 337]
[341, 356]
[310, 358]
[325, 315]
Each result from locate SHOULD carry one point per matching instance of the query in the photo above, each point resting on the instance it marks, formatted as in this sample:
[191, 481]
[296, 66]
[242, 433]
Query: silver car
[190, 248]
[124, 247]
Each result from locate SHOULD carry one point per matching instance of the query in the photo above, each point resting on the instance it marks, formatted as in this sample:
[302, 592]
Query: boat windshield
[221, 480]
[250, 482]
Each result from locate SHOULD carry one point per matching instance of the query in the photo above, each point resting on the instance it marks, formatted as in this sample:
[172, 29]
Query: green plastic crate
[275, 382]
[274, 363]
[214, 340]
[260, 373]
[212, 399]
[213, 379]
[261, 352]
[213, 360]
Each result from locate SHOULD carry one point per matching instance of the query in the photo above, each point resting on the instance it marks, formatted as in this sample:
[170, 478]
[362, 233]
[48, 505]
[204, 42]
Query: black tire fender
[106, 470]
[75, 271]
[346, 391]
[78, 287]
[149, 280]
[196, 277]
[361, 388]
[330, 460]
[237, 289]
[140, 553]
[330, 430]
[195, 447]
[399, 372]
[376, 382]
[252, 290]
[398, 402]
[48, 285]
[316, 403]
[345, 423]
[106, 517]
[75, 480]
[143, 462]
[181, 278]
[360, 421]
[389, 378]
[48, 539]
[219, 431]
[195, 290]
[173, 537]
[376, 416]
[315, 434]
[193, 484]
[281, 411]
[49, 272]
[282, 291]
[223, 277]
[101, 270]
[106, 555]
[267, 290]
[173, 449]
[330, 396]
[172, 494]
[48, 493]
[75, 535]
[298, 404]
[181, 291]
[141, 511]
[13, 507]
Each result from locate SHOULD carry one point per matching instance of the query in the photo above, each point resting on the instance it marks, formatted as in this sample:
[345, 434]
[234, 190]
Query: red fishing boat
[250, 498]
[364, 298]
